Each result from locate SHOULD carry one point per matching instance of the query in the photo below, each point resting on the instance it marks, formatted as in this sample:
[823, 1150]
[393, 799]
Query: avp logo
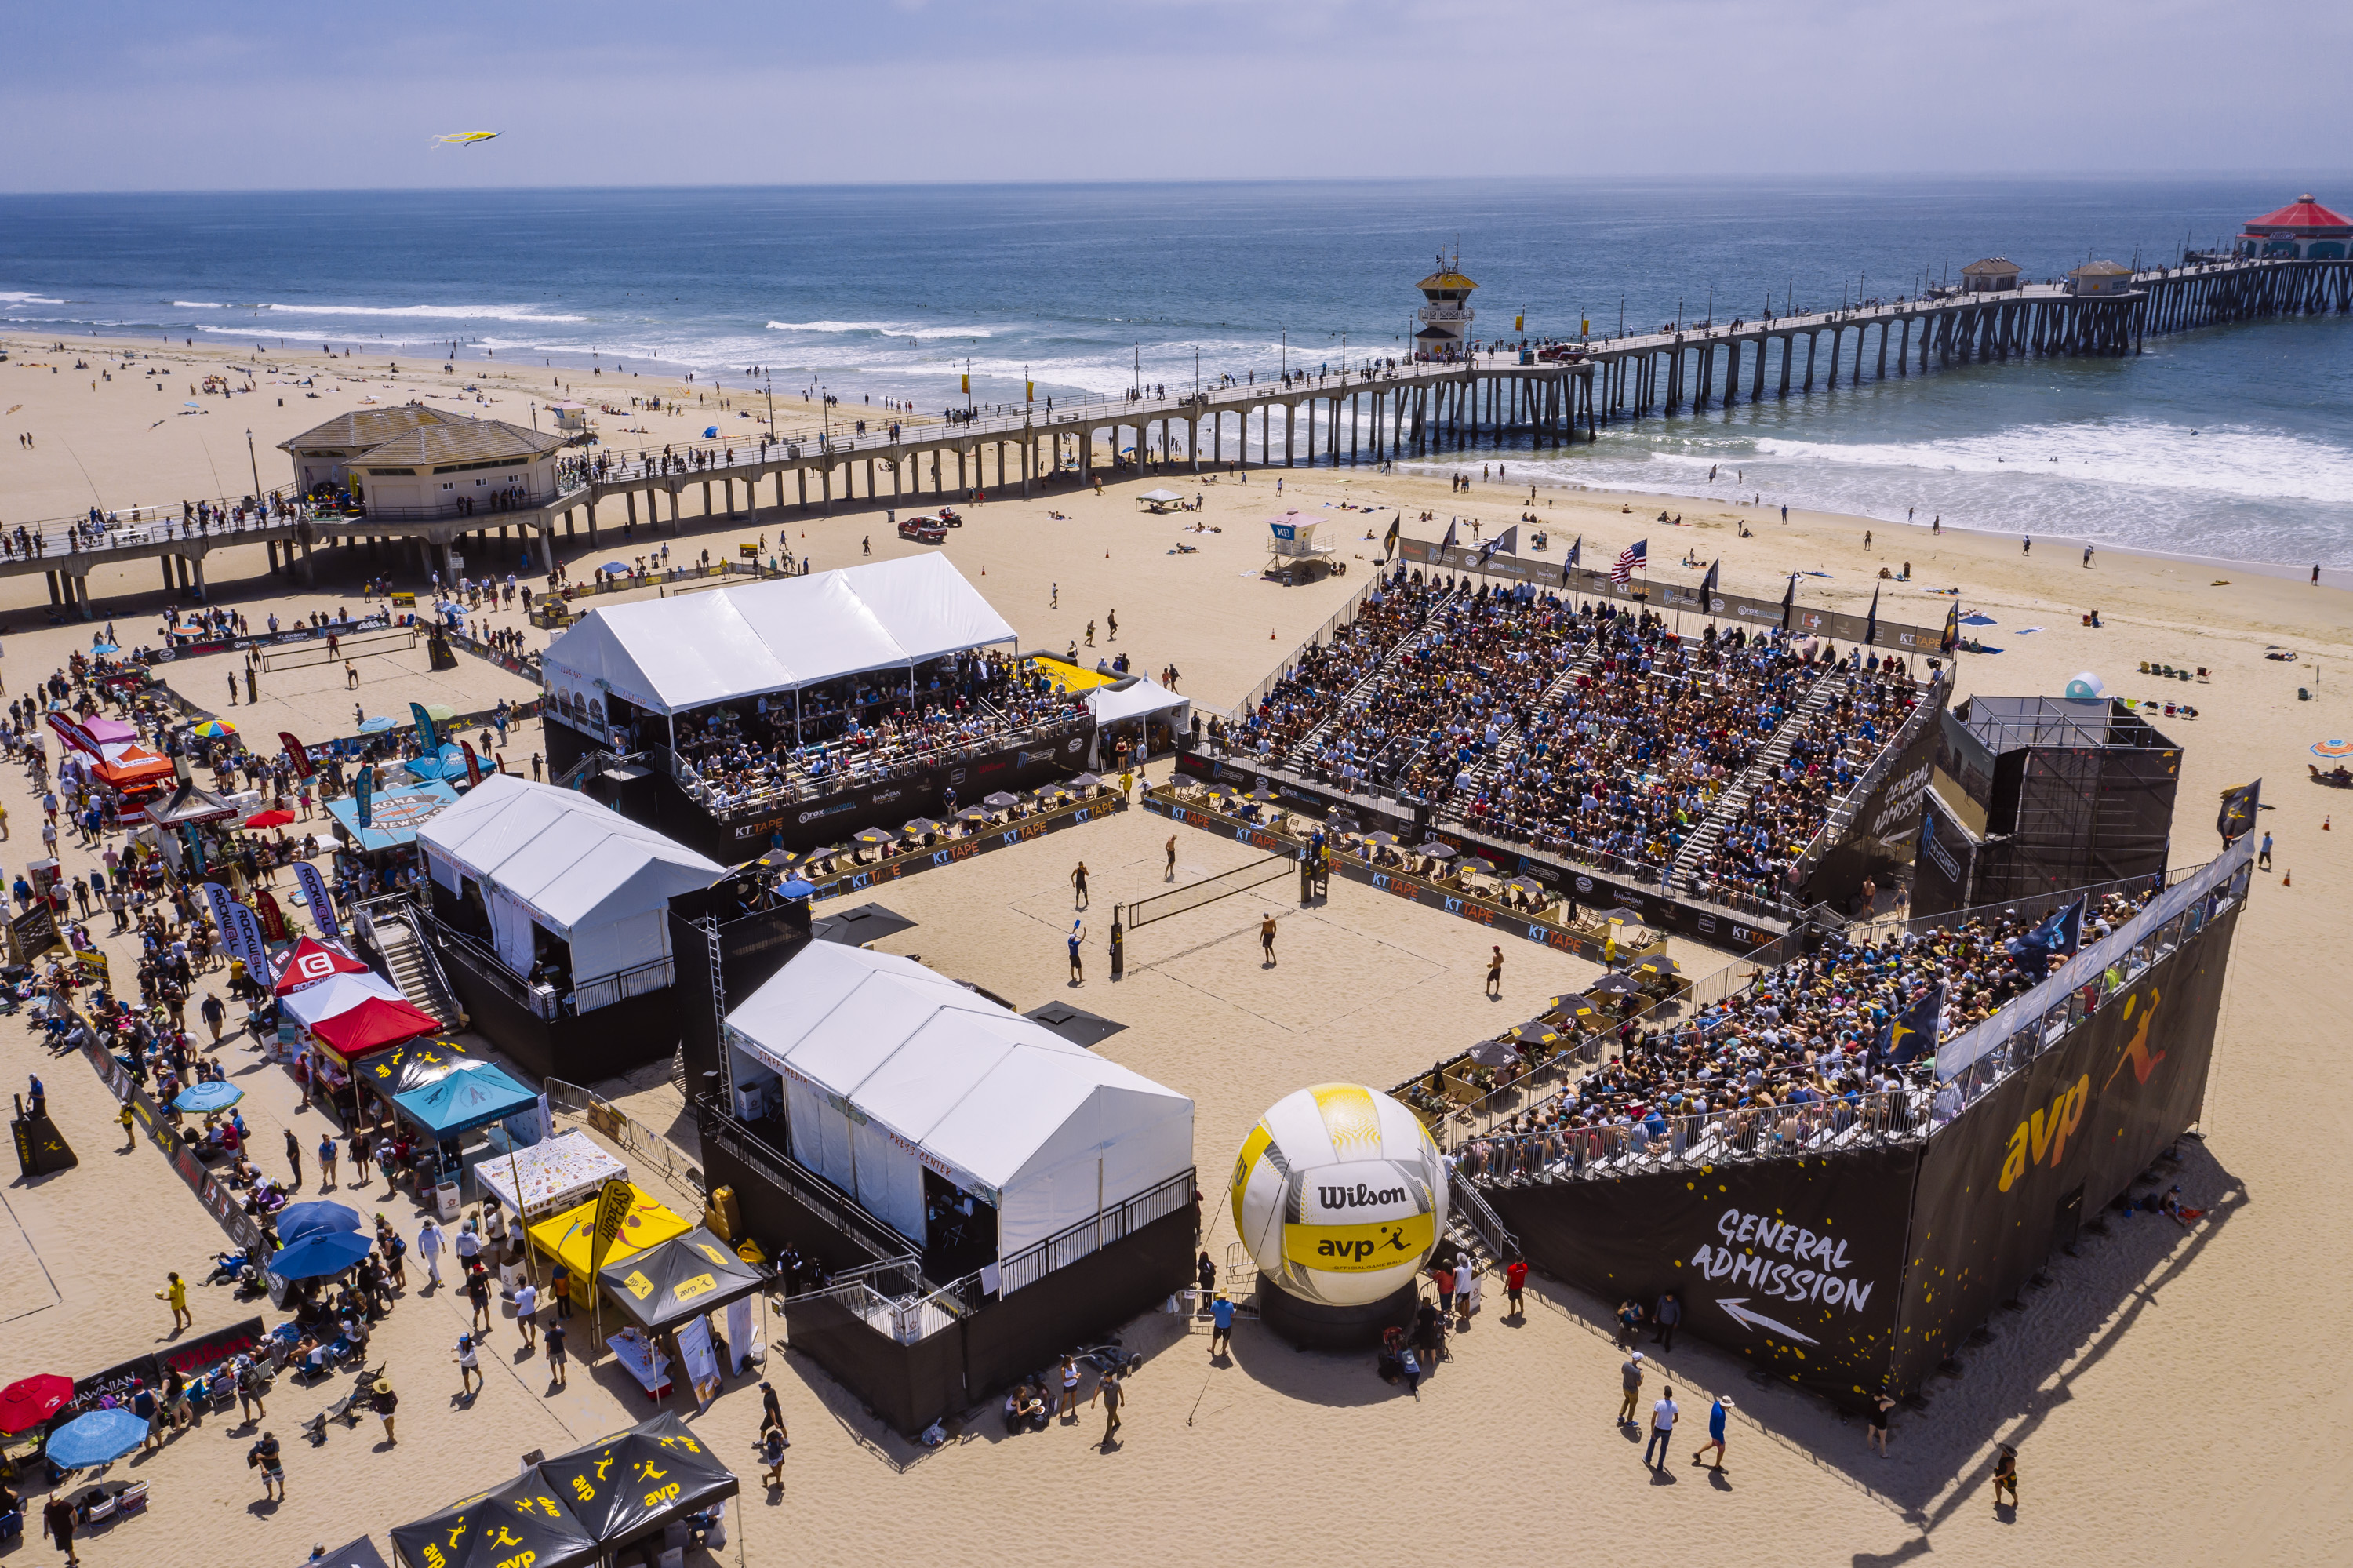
[2135, 1050]
[2041, 1137]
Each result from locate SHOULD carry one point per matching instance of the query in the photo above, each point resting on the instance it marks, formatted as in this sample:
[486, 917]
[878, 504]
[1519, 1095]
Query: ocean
[2235, 442]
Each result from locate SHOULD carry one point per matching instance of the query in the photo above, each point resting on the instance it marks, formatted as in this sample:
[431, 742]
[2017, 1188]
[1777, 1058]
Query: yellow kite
[466, 138]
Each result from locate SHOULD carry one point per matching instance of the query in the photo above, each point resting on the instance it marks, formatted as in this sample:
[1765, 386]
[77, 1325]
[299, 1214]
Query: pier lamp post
[252, 463]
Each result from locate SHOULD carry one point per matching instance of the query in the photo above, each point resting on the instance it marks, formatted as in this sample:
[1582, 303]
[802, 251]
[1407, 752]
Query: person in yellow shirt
[176, 1293]
[130, 1129]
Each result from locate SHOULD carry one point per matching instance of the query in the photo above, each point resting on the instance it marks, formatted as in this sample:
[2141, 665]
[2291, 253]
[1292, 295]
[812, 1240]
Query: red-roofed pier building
[2303, 230]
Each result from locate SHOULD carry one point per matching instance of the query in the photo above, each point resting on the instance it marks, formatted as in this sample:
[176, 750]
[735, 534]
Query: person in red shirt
[1516, 1280]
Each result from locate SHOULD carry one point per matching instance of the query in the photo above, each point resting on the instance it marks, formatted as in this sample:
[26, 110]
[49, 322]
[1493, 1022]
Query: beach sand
[2131, 1387]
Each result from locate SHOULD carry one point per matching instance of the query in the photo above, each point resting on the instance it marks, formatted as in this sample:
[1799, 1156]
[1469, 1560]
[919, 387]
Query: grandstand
[1717, 766]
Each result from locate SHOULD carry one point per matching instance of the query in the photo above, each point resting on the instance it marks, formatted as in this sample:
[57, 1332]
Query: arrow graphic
[1747, 1319]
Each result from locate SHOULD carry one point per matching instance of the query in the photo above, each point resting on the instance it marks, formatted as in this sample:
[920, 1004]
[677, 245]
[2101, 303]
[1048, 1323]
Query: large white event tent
[890, 1068]
[670, 656]
[556, 860]
[1136, 703]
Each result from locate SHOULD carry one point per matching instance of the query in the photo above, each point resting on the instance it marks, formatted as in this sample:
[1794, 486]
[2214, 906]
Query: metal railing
[1091, 1235]
[1465, 1205]
[1241, 711]
[646, 1147]
[1606, 1150]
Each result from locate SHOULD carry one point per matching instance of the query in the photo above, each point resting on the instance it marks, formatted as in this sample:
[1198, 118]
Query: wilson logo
[1359, 1196]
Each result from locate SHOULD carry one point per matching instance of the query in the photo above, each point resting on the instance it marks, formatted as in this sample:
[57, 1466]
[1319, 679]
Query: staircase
[415, 970]
[1739, 793]
[1513, 738]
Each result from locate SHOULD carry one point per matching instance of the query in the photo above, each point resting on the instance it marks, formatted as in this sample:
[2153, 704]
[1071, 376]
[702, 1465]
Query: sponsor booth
[338, 1010]
[1019, 1190]
[549, 913]
[108, 753]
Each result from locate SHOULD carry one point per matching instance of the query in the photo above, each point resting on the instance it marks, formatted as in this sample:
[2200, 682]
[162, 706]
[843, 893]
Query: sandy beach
[2174, 1387]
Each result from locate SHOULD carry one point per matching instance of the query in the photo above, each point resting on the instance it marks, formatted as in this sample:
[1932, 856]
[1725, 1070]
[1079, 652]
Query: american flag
[1630, 560]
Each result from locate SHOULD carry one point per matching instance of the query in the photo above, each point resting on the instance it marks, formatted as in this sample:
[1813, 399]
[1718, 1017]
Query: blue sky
[259, 94]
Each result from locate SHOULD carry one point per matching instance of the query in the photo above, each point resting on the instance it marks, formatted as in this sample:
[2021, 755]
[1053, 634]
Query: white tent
[1136, 703]
[336, 994]
[730, 643]
[557, 858]
[890, 1068]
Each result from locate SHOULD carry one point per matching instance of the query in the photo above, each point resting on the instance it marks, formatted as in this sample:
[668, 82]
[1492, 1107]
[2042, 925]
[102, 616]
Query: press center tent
[672, 655]
[557, 858]
[889, 1069]
[1140, 698]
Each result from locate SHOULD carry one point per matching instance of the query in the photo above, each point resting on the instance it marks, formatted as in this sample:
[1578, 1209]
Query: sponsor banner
[949, 852]
[1884, 832]
[804, 825]
[1795, 1264]
[321, 904]
[2045, 1149]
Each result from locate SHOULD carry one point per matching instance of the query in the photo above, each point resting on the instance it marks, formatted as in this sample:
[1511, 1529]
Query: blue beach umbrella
[711, 434]
[205, 1098]
[104, 648]
[320, 1254]
[615, 568]
[376, 725]
[98, 1438]
[296, 1220]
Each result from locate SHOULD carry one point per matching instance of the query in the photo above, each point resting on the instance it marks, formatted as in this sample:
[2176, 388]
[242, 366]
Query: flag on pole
[1631, 559]
[1952, 638]
[1448, 543]
[1707, 583]
[1397, 526]
[1506, 542]
[298, 754]
[1575, 551]
[364, 793]
[314, 894]
[1029, 391]
[2237, 818]
[473, 764]
[967, 384]
[1915, 1030]
[1789, 602]
[1871, 624]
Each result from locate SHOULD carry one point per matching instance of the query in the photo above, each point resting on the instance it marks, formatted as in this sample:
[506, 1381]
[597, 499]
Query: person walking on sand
[1078, 935]
[129, 1126]
[470, 1375]
[526, 1303]
[1516, 1281]
[57, 1519]
[294, 1158]
[1495, 974]
[428, 1248]
[1876, 1437]
[1663, 1432]
[1630, 1377]
[2263, 855]
[1109, 1390]
[326, 1161]
[1079, 886]
[1170, 873]
[557, 1363]
[1714, 1432]
[267, 1457]
[773, 1444]
[1669, 1313]
[2005, 1477]
[1221, 1325]
[175, 1294]
[1266, 937]
[385, 1402]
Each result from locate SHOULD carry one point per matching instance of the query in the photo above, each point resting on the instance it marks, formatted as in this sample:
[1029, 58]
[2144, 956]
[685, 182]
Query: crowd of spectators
[1311, 691]
[1805, 1057]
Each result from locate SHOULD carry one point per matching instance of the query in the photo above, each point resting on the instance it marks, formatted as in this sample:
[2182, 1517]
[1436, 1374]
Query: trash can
[447, 1204]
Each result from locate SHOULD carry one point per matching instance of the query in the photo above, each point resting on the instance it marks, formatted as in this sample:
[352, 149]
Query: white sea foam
[426, 313]
[917, 330]
[12, 297]
[198, 305]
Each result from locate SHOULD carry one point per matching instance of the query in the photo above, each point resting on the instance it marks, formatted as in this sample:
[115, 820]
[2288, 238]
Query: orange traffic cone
[2324, 824]
[1270, 634]
[2287, 879]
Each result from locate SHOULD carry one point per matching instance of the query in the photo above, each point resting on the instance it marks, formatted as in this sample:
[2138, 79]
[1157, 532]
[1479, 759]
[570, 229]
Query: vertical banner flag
[364, 793]
[1789, 602]
[298, 754]
[1634, 558]
[314, 893]
[1870, 626]
[967, 384]
[2237, 818]
[613, 1201]
[1952, 637]
[701, 1358]
[473, 764]
[427, 735]
[249, 935]
[273, 919]
[1707, 583]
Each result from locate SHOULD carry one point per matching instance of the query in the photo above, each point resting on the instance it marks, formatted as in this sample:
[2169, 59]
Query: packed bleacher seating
[1312, 690]
[1831, 747]
[1800, 1060]
[867, 728]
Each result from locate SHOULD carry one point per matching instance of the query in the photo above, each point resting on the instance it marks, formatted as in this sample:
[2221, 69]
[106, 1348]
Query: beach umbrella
[99, 1438]
[919, 827]
[269, 819]
[320, 1254]
[203, 1098]
[877, 836]
[1085, 781]
[615, 568]
[972, 814]
[29, 1401]
[439, 712]
[1001, 801]
[1613, 985]
[2332, 748]
[1660, 964]
[105, 648]
[376, 725]
[213, 729]
[1435, 850]
[795, 888]
[296, 1220]
[1537, 1030]
[1528, 885]
[711, 433]
[1493, 1054]
[1387, 840]
[1618, 911]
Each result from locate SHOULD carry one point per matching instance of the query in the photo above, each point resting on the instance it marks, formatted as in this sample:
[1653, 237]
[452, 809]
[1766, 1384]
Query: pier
[1374, 414]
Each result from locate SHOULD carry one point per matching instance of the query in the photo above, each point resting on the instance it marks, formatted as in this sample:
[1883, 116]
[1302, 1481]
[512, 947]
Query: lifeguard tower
[1298, 556]
[1446, 318]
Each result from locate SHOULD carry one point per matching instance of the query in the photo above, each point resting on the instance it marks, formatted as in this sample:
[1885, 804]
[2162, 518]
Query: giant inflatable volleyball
[1339, 1195]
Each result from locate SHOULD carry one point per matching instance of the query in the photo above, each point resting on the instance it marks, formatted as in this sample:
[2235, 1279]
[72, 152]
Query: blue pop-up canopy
[475, 1098]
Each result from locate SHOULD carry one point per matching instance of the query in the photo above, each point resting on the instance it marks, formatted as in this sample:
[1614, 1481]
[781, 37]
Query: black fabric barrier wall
[2008, 1181]
[751, 948]
[595, 1046]
[1795, 1264]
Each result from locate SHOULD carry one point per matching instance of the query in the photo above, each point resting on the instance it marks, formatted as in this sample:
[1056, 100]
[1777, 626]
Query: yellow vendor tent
[568, 1236]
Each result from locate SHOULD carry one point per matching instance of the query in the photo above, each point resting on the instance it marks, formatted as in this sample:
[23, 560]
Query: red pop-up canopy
[313, 961]
[372, 1025]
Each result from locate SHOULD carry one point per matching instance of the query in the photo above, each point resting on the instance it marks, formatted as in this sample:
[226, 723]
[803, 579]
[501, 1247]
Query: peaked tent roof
[669, 655]
[372, 1025]
[524, 1520]
[674, 1280]
[313, 961]
[338, 993]
[456, 1102]
[996, 1096]
[2302, 213]
[561, 855]
[190, 804]
[1133, 700]
[595, 1481]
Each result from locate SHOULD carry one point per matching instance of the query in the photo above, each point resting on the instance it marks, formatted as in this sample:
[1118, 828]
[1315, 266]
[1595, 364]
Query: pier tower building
[1447, 316]
[2303, 230]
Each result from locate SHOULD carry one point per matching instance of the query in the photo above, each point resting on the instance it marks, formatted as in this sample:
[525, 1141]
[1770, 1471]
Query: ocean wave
[198, 305]
[2244, 462]
[11, 297]
[425, 312]
[917, 330]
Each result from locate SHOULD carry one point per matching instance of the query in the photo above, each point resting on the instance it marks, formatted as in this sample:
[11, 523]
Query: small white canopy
[589, 876]
[336, 994]
[670, 655]
[890, 1068]
[1139, 698]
